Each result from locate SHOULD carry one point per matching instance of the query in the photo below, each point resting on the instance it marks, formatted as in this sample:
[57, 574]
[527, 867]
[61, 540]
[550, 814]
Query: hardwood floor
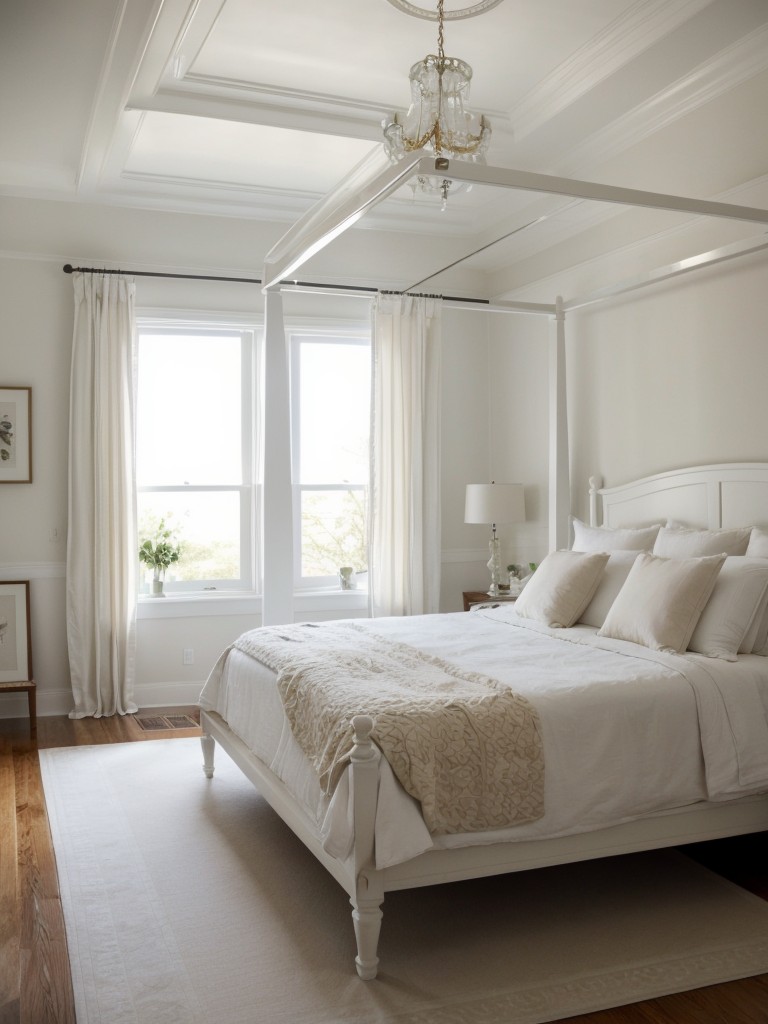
[35, 985]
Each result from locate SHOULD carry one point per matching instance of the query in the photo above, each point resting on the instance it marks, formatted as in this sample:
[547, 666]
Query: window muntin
[330, 383]
[194, 451]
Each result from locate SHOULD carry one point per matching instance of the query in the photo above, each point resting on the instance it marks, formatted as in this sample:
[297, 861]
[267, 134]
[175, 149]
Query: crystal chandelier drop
[438, 119]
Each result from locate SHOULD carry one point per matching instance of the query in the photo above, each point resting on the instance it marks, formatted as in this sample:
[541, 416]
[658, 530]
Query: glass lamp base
[494, 564]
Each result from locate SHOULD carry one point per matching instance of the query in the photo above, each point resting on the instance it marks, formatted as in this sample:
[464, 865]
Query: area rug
[187, 900]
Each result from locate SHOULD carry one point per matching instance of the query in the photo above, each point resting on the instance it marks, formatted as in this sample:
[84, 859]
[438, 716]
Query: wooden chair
[29, 688]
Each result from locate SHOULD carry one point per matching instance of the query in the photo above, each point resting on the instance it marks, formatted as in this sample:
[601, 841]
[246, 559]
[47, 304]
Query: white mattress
[627, 732]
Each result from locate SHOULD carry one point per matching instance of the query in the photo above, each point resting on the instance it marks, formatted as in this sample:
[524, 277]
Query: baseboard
[59, 702]
[160, 695]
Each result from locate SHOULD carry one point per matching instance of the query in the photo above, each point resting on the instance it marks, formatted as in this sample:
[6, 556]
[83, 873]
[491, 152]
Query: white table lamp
[491, 504]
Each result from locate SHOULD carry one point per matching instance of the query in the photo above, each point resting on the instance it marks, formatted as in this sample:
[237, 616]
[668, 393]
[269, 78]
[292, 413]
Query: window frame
[250, 332]
[346, 334]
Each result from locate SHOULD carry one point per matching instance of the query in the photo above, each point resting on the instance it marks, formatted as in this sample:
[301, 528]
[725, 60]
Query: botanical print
[9, 661]
[7, 439]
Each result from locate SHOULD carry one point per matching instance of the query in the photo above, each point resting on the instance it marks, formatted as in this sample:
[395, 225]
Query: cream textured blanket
[462, 744]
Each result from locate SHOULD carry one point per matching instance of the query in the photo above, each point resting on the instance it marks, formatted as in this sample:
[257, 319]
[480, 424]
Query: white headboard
[709, 497]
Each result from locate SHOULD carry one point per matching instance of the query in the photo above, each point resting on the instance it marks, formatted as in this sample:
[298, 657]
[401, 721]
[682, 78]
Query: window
[330, 414]
[195, 451]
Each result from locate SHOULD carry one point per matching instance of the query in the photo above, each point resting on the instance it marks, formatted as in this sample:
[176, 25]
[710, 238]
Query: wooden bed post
[559, 470]
[369, 891]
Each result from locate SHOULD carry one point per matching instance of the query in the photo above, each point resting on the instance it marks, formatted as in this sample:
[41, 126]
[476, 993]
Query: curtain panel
[101, 538]
[405, 542]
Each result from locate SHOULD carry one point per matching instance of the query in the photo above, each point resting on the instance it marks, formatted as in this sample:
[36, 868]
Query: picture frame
[15, 435]
[15, 632]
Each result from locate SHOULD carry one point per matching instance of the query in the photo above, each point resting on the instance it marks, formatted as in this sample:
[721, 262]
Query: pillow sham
[608, 538]
[562, 587]
[674, 542]
[662, 600]
[760, 645]
[736, 605]
[615, 573]
[758, 543]
[757, 634]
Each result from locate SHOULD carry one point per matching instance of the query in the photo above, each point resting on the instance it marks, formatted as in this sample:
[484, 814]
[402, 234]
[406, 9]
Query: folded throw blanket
[464, 745]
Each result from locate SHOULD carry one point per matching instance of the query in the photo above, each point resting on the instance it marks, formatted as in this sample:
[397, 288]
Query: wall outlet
[189, 656]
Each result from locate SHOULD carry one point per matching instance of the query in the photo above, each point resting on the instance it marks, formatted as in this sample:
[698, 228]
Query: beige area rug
[187, 900]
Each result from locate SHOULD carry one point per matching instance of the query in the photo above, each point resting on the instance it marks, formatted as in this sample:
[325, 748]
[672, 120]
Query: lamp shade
[494, 503]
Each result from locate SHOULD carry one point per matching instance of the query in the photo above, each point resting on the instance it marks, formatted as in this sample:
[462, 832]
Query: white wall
[672, 377]
[37, 311]
[665, 377]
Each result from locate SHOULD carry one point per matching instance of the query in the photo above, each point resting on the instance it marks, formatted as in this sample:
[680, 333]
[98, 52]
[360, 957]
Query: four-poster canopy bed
[594, 741]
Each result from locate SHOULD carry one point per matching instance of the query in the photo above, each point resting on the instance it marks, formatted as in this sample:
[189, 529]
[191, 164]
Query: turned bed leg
[369, 892]
[367, 915]
[208, 743]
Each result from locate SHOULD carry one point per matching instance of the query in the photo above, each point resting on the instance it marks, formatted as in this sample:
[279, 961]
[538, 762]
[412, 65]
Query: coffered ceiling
[255, 108]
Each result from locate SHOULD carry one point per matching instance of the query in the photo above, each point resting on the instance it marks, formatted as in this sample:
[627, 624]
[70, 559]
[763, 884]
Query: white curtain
[101, 538]
[404, 570]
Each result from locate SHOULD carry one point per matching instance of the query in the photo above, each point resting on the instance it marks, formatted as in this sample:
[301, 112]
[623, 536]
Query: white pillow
[758, 543]
[607, 538]
[673, 542]
[662, 600]
[737, 603]
[611, 582]
[760, 644]
[562, 587]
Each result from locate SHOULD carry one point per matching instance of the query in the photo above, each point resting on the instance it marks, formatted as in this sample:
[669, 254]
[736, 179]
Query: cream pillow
[562, 587]
[607, 538]
[758, 543]
[737, 603]
[757, 634]
[662, 600]
[673, 542]
[615, 573]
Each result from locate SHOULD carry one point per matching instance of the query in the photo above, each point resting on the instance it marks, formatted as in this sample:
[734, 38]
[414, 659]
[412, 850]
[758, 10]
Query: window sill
[199, 605]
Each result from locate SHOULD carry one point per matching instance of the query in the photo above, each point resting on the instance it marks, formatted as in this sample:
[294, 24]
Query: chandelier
[438, 119]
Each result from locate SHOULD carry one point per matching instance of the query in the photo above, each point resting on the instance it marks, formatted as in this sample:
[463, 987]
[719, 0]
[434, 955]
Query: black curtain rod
[69, 269]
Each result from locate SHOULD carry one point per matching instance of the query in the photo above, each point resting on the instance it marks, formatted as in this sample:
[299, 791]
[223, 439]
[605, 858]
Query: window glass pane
[334, 411]
[189, 409]
[206, 524]
[333, 531]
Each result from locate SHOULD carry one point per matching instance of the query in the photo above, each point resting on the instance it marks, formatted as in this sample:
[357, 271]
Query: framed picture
[15, 435]
[15, 635]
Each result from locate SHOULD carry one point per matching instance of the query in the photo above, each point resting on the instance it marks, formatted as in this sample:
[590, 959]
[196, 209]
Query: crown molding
[621, 41]
[726, 70]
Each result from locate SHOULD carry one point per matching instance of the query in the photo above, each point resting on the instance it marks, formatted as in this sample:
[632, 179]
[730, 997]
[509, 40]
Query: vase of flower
[158, 552]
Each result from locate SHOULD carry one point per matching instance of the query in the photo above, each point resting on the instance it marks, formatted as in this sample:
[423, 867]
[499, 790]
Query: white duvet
[627, 731]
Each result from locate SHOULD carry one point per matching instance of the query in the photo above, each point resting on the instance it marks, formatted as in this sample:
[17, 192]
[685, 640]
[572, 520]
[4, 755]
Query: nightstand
[480, 597]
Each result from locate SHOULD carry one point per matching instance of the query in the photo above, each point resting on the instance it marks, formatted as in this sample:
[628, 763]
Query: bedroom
[667, 377]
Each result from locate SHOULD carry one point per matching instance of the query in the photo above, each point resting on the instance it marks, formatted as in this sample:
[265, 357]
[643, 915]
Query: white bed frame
[706, 496]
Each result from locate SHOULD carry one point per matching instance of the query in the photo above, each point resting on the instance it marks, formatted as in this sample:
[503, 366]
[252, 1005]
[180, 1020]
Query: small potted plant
[158, 552]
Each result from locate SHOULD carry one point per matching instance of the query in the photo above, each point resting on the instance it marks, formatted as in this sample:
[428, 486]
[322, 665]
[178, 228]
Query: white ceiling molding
[262, 104]
[450, 14]
[724, 71]
[627, 36]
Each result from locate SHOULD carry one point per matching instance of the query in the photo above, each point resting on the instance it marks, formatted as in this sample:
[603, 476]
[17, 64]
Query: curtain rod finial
[67, 268]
